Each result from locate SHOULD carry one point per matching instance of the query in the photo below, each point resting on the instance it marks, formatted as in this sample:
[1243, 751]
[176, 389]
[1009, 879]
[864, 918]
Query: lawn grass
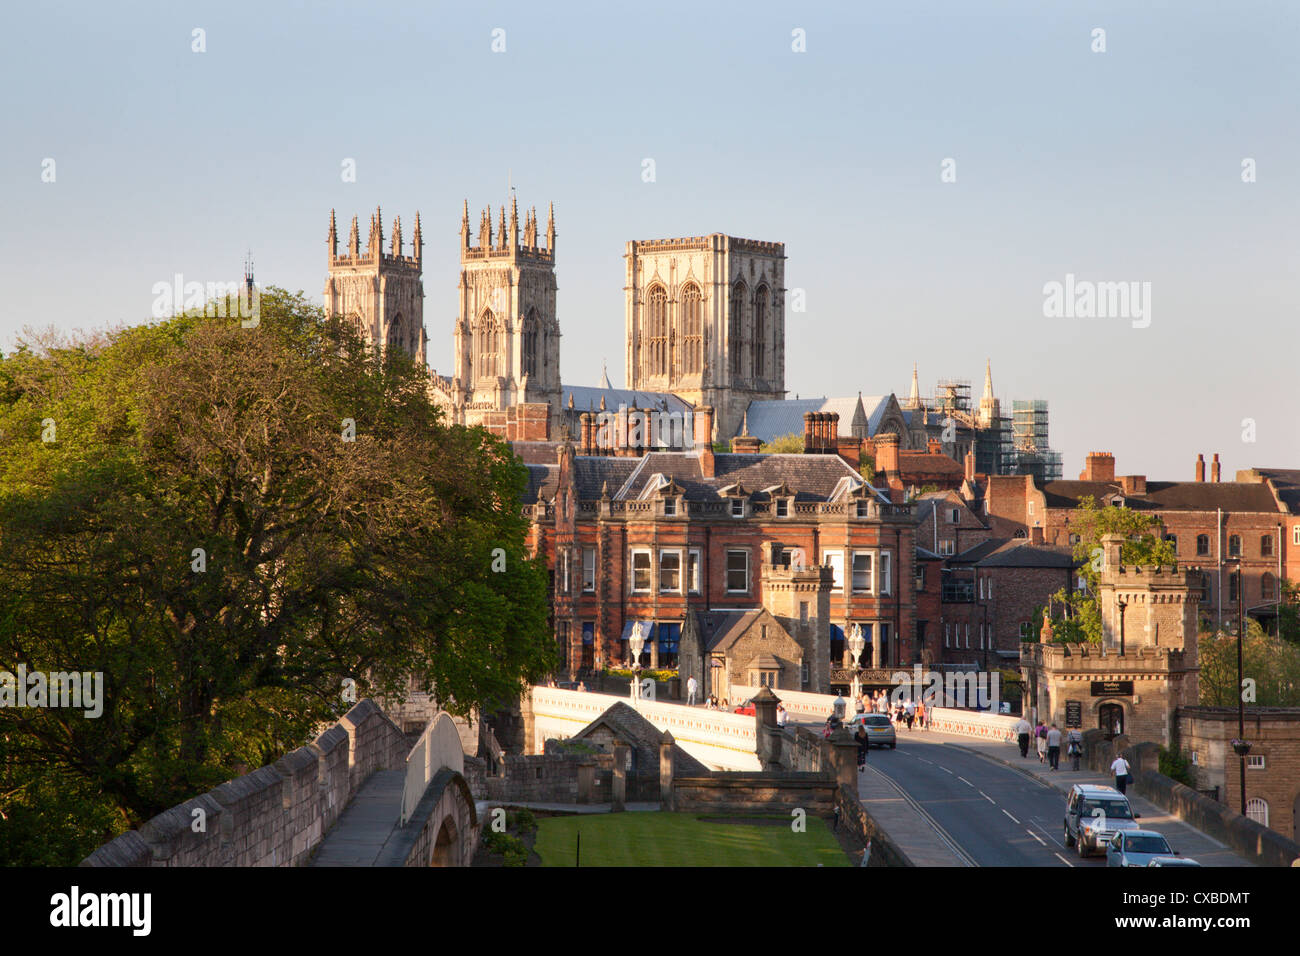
[681, 839]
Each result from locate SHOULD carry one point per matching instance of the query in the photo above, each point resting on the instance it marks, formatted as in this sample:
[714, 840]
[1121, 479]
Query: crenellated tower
[380, 293]
[507, 336]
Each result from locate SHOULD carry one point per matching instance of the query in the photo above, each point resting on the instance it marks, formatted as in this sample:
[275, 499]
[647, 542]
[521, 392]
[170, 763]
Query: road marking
[923, 760]
[1047, 833]
[965, 781]
[1063, 859]
[946, 770]
[1013, 818]
[963, 857]
[1035, 836]
[988, 798]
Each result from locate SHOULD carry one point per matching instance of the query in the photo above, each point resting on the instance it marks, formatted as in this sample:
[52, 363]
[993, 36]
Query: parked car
[1172, 861]
[880, 732]
[746, 708]
[1136, 848]
[1094, 814]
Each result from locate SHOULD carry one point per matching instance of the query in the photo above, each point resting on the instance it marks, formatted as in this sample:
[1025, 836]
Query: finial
[602, 403]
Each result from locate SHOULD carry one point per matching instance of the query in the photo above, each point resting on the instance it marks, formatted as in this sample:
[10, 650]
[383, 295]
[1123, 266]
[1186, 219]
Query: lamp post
[1122, 605]
[856, 645]
[636, 642]
[1240, 745]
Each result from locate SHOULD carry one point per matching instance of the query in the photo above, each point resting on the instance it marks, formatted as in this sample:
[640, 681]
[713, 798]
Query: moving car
[1172, 861]
[880, 732]
[746, 708]
[1137, 848]
[1094, 814]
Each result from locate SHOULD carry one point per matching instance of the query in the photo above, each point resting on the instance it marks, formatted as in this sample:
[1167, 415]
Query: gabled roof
[1020, 553]
[543, 480]
[628, 725]
[770, 418]
[1167, 495]
[809, 477]
[586, 398]
[720, 629]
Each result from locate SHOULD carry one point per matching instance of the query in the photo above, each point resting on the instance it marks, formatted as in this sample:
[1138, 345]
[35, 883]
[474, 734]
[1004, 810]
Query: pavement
[366, 824]
[908, 824]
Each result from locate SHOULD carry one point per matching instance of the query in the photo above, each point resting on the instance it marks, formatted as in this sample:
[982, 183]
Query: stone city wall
[274, 816]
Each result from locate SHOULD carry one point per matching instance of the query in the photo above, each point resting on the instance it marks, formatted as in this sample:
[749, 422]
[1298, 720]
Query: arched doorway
[1110, 720]
[446, 848]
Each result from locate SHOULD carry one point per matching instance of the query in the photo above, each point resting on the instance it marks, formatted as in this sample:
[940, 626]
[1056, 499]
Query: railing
[439, 746]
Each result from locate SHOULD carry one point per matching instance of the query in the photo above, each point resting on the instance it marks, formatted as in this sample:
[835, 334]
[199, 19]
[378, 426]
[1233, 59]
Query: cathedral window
[692, 325]
[657, 327]
[735, 324]
[760, 323]
[530, 343]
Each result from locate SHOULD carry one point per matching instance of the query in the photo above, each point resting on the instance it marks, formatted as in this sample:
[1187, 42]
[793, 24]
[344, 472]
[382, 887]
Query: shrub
[1176, 765]
[522, 821]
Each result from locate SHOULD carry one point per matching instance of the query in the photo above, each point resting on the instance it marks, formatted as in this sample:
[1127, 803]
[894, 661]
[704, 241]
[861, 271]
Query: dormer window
[862, 509]
[670, 506]
[737, 507]
[783, 507]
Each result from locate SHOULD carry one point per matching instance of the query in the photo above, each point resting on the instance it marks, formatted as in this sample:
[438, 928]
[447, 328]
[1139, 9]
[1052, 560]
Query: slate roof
[1168, 495]
[771, 418]
[591, 473]
[923, 462]
[719, 628]
[537, 452]
[977, 553]
[1020, 553]
[586, 398]
[810, 477]
[1287, 481]
[630, 726]
[543, 480]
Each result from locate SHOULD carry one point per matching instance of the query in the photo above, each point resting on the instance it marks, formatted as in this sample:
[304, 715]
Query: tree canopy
[237, 526]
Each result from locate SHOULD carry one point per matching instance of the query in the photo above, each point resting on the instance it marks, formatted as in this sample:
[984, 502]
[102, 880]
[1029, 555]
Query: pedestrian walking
[858, 706]
[1120, 769]
[1074, 745]
[920, 715]
[692, 687]
[864, 744]
[781, 715]
[1022, 736]
[1054, 747]
[1040, 736]
[909, 713]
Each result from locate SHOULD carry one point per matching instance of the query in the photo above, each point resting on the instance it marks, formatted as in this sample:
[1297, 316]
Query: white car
[880, 732]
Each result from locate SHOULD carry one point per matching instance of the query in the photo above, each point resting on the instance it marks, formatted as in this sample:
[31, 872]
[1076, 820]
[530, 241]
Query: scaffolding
[951, 395]
[1031, 452]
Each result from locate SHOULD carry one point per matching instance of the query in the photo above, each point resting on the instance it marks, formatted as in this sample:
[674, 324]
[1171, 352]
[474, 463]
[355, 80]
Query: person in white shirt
[1023, 731]
[1054, 747]
[781, 715]
[1120, 769]
[691, 689]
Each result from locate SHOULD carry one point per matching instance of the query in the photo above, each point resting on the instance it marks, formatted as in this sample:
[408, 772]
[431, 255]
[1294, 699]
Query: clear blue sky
[1115, 166]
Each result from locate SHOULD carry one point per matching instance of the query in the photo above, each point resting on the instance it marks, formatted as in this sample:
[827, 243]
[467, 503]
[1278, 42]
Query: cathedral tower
[706, 321]
[380, 293]
[507, 336]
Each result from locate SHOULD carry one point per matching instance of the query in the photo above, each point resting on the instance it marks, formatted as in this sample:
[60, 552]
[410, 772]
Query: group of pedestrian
[1048, 743]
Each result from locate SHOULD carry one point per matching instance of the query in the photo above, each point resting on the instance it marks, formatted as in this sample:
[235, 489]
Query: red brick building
[659, 537]
[1213, 524]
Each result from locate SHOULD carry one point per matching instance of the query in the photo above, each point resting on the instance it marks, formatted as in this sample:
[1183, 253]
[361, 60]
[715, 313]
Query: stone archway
[1110, 718]
[446, 846]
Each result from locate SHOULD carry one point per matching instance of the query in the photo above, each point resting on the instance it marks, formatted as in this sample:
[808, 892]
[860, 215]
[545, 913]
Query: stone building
[706, 321]
[1145, 668]
[380, 293]
[1272, 765]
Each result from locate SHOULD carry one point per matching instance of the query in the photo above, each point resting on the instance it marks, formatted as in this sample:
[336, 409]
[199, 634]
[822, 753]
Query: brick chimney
[809, 436]
[588, 433]
[969, 462]
[1200, 467]
[1134, 484]
[850, 449]
[703, 438]
[832, 443]
[1214, 468]
[1099, 466]
[887, 454]
[935, 446]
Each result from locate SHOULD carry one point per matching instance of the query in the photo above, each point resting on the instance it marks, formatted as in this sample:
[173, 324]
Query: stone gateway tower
[381, 294]
[706, 321]
[507, 336]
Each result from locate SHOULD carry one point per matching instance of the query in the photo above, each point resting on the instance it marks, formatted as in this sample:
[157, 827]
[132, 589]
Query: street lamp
[636, 642]
[856, 645]
[1240, 745]
[1122, 605]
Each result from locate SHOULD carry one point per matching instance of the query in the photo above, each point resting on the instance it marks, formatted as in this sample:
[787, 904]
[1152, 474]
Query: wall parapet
[275, 815]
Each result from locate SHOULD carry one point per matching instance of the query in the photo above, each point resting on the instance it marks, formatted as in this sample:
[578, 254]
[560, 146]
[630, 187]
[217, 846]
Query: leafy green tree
[1271, 664]
[1080, 617]
[791, 444]
[235, 526]
[867, 468]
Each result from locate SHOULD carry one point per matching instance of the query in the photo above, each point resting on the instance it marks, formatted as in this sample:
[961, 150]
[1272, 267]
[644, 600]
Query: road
[994, 815]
